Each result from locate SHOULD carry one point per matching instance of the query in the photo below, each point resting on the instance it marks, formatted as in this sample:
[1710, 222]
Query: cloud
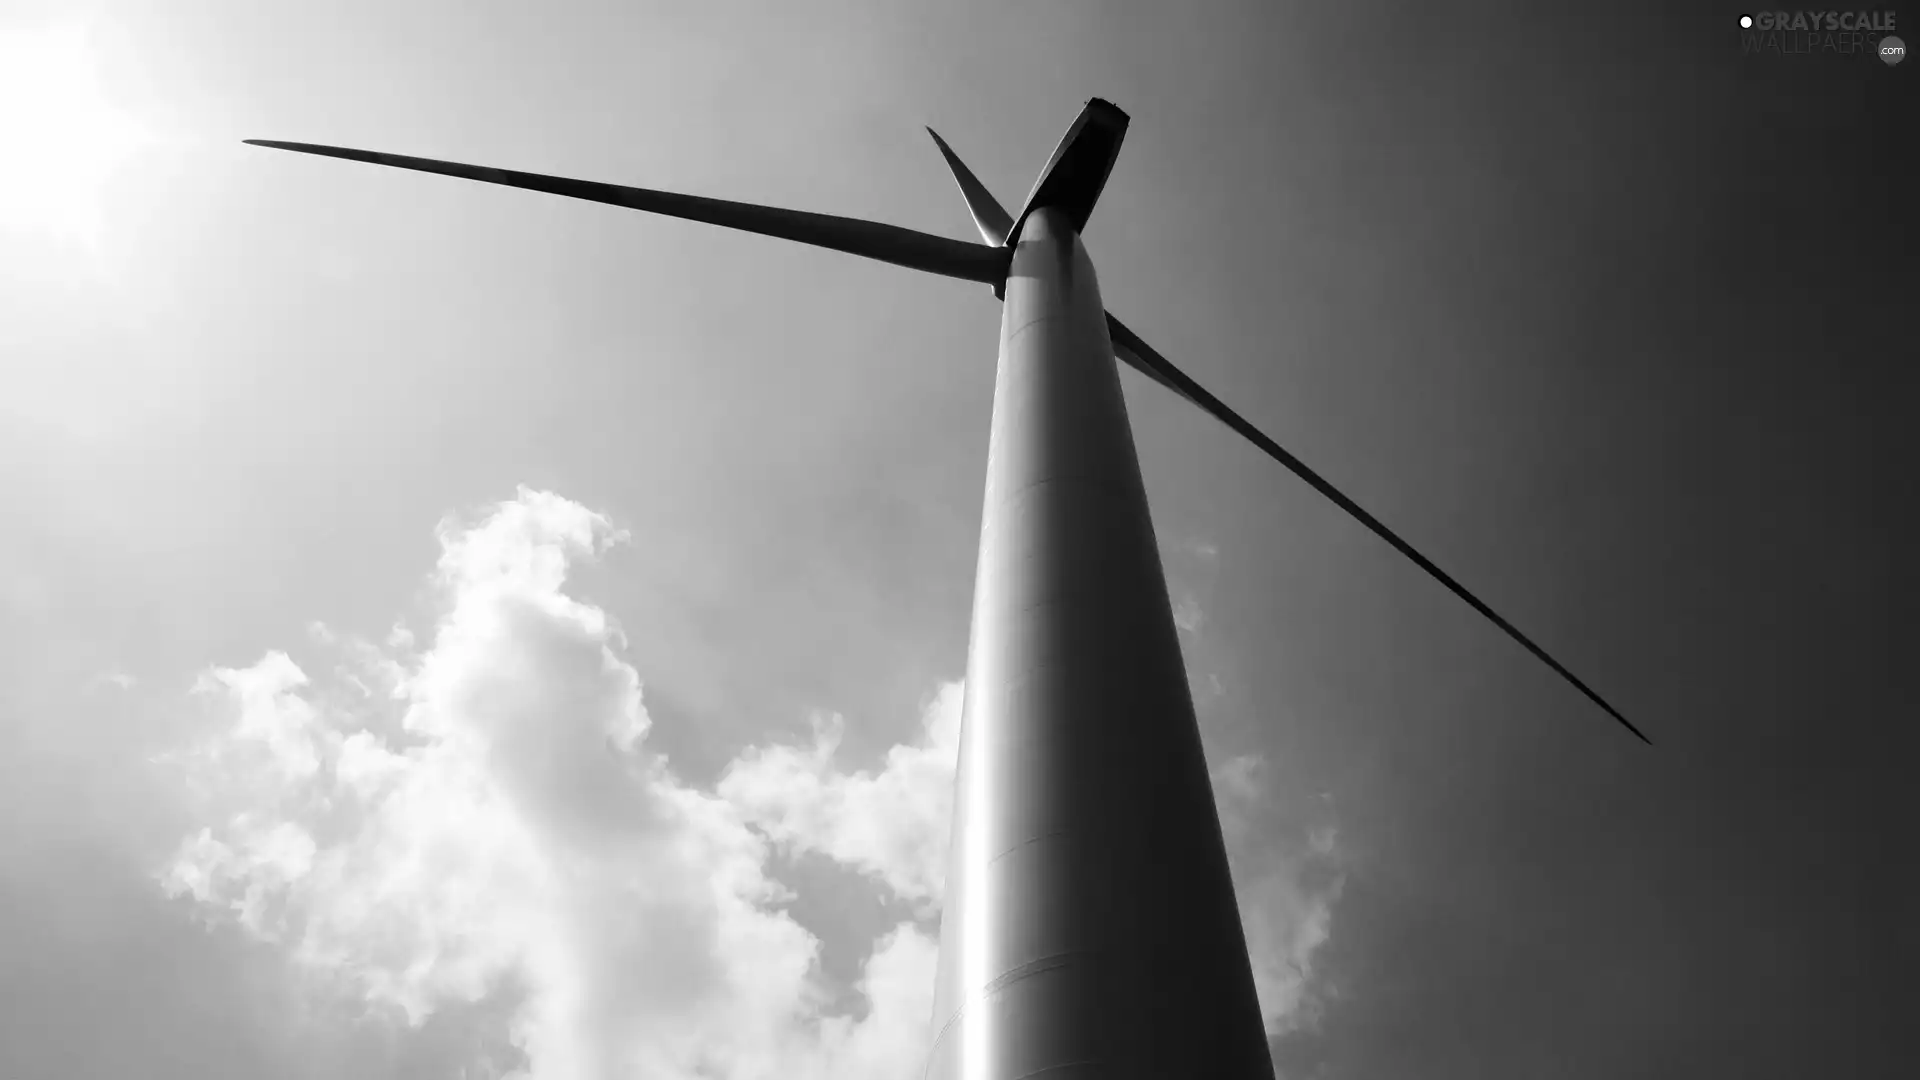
[496, 823]
[115, 678]
[1288, 879]
[891, 825]
[1192, 574]
[1187, 614]
[477, 815]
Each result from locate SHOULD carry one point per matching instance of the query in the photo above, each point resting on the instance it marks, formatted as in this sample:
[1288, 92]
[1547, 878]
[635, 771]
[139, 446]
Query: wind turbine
[1090, 927]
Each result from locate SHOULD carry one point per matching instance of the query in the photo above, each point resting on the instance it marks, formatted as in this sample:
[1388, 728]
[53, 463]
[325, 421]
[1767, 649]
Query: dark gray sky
[1603, 315]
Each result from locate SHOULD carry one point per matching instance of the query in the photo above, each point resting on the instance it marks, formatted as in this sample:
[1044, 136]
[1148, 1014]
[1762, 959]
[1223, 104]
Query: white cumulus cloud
[891, 824]
[498, 823]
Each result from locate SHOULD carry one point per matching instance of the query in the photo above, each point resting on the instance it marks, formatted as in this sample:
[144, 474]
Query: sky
[448, 631]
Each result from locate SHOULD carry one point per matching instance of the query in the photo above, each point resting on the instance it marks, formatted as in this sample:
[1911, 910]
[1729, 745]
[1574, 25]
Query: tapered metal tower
[1090, 927]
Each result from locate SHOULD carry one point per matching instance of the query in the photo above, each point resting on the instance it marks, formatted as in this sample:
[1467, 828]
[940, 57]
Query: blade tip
[1629, 725]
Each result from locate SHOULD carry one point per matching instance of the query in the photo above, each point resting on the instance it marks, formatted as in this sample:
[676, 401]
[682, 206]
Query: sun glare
[61, 137]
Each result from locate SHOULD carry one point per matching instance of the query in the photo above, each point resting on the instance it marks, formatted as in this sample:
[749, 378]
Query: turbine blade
[989, 216]
[1142, 356]
[1132, 357]
[887, 243]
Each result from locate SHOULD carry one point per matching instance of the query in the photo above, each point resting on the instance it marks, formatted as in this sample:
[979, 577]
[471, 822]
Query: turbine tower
[1090, 928]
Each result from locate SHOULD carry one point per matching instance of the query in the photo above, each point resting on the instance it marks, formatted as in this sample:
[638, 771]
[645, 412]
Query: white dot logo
[1892, 50]
[1746, 22]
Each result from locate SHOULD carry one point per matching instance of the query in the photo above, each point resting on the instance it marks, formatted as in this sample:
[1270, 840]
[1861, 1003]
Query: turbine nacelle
[1070, 182]
[1077, 171]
